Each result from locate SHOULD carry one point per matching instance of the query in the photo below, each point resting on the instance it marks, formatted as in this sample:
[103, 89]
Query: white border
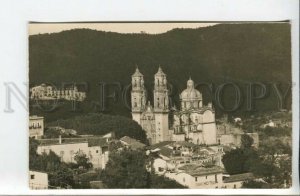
[15, 15]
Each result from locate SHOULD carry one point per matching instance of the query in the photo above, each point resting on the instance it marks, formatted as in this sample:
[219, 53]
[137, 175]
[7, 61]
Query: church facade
[193, 122]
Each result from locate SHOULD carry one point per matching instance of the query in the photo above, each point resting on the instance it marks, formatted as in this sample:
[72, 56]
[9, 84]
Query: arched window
[135, 84]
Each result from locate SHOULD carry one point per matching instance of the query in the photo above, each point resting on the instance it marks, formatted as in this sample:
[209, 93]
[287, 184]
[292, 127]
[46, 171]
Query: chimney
[59, 139]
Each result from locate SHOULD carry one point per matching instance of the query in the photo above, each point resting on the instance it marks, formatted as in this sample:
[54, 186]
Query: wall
[38, 180]
[206, 181]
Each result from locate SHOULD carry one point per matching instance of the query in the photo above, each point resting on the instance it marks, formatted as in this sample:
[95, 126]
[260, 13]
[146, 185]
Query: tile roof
[239, 177]
[92, 141]
[185, 144]
[160, 144]
[165, 151]
[198, 170]
[133, 143]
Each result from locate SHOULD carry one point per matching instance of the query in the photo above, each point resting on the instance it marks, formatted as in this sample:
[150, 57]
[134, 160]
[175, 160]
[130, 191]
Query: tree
[246, 141]
[62, 177]
[126, 169]
[60, 174]
[161, 182]
[253, 184]
[100, 124]
[83, 161]
[234, 161]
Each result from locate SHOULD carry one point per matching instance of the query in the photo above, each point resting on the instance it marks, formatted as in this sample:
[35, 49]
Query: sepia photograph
[160, 105]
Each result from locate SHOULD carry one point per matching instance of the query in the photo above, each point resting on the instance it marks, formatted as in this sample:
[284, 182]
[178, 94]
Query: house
[95, 148]
[236, 139]
[236, 181]
[38, 180]
[36, 126]
[195, 176]
[160, 166]
[172, 155]
[132, 143]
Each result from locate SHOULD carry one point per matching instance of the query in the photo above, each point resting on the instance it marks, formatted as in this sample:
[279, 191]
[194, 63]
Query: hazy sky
[151, 28]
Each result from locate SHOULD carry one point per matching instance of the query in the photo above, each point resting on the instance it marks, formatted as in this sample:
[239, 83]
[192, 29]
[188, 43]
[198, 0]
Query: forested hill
[224, 52]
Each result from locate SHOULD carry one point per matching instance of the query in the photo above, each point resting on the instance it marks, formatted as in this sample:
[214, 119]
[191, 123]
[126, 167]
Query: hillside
[227, 52]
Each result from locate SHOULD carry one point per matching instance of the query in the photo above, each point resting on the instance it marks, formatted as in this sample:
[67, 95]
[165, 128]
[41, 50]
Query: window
[234, 186]
[183, 179]
[32, 177]
[205, 177]
[97, 151]
[61, 154]
[196, 179]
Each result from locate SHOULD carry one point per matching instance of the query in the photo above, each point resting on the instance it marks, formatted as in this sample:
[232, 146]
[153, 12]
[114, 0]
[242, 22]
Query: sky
[150, 28]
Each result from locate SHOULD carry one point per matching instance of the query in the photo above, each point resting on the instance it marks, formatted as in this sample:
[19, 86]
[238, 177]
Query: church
[194, 122]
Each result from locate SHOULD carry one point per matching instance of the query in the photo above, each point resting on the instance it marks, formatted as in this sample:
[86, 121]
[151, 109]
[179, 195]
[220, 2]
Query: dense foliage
[59, 174]
[127, 169]
[271, 162]
[100, 124]
[213, 54]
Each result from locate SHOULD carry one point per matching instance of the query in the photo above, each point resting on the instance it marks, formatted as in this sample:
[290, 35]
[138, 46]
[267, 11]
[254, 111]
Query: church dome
[190, 93]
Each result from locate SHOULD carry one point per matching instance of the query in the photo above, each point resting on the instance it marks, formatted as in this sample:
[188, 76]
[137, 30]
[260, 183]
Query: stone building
[193, 122]
[154, 120]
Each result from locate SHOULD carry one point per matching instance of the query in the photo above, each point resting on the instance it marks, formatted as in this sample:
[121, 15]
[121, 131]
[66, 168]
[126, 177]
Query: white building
[49, 92]
[97, 153]
[154, 120]
[36, 126]
[38, 180]
[173, 155]
[193, 122]
[195, 176]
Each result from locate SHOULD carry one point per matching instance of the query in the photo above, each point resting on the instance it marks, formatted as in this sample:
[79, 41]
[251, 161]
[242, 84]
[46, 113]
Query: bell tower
[138, 95]
[161, 106]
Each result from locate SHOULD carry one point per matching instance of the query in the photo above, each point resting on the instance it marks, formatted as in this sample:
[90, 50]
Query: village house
[236, 181]
[231, 135]
[95, 148]
[36, 126]
[38, 180]
[172, 155]
[195, 176]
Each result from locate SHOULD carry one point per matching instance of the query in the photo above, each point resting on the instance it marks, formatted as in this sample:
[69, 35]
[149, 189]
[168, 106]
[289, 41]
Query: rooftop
[92, 141]
[160, 144]
[133, 143]
[34, 117]
[198, 170]
[239, 177]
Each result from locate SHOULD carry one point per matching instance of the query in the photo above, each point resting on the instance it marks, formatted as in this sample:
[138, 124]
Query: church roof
[190, 93]
[137, 72]
[160, 72]
[195, 110]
